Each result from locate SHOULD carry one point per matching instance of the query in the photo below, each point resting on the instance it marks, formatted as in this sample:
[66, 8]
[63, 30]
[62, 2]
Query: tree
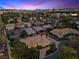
[5, 18]
[66, 23]
[74, 25]
[67, 53]
[23, 34]
[52, 49]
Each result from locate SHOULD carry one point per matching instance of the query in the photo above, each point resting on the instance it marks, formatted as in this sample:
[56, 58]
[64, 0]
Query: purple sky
[39, 4]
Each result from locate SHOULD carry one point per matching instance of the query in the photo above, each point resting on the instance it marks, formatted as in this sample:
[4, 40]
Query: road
[7, 43]
[4, 44]
[5, 52]
[4, 48]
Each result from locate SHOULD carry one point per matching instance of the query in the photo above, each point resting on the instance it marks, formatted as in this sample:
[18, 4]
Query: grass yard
[1, 37]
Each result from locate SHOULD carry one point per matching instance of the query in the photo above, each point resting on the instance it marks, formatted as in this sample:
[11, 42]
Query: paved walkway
[43, 52]
[54, 41]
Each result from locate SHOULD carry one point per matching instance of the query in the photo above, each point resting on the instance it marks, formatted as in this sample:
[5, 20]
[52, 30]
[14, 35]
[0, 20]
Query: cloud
[31, 5]
[38, 4]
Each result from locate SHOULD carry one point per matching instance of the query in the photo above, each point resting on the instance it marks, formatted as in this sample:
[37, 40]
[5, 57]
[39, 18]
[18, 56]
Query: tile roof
[61, 32]
[30, 31]
[33, 41]
[10, 26]
[38, 28]
[46, 26]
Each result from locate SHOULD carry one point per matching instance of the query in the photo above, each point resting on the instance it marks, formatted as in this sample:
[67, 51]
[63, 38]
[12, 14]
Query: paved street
[3, 46]
[4, 51]
[7, 44]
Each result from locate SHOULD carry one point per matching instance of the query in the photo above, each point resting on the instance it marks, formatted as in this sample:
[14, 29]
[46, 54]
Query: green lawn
[74, 37]
[1, 34]
[28, 11]
[1, 37]
[67, 53]
[0, 20]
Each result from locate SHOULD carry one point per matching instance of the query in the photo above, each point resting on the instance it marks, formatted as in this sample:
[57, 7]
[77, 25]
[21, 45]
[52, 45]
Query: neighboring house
[29, 31]
[10, 20]
[38, 29]
[27, 23]
[78, 26]
[20, 25]
[75, 14]
[19, 20]
[46, 26]
[1, 12]
[61, 32]
[14, 34]
[77, 22]
[10, 26]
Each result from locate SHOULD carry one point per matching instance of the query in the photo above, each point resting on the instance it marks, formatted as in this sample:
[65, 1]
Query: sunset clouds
[39, 4]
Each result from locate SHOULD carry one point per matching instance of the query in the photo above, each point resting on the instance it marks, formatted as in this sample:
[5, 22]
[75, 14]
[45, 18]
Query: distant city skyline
[38, 4]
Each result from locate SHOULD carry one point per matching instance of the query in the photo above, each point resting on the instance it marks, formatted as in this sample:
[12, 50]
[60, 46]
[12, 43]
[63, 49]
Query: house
[75, 14]
[20, 25]
[37, 40]
[1, 12]
[10, 20]
[19, 20]
[61, 32]
[28, 24]
[46, 26]
[10, 26]
[77, 23]
[29, 31]
[38, 29]
[14, 34]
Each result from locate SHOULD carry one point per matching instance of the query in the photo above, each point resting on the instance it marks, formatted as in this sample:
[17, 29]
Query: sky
[38, 4]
